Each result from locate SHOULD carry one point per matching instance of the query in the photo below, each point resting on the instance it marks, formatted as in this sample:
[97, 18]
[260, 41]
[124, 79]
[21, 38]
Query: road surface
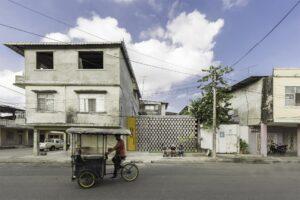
[203, 181]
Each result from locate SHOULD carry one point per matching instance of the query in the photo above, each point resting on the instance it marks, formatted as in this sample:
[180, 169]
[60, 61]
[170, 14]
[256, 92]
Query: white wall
[227, 138]
[282, 78]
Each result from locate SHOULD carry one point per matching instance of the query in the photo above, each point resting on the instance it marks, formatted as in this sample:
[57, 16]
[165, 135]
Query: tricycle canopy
[98, 131]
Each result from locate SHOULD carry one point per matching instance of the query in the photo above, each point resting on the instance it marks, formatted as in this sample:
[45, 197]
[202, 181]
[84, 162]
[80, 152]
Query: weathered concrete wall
[1, 136]
[66, 68]
[282, 78]
[65, 78]
[17, 137]
[247, 102]
[66, 101]
[129, 102]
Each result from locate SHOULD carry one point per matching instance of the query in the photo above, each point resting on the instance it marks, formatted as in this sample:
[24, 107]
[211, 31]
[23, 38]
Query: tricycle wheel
[86, 179]
[129, 172]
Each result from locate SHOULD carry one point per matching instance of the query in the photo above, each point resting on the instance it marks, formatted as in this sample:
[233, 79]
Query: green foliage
[243, 146]
[202, 107]
[185, 111]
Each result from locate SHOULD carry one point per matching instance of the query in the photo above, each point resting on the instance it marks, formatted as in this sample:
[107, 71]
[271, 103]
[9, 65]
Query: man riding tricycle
[89, 153]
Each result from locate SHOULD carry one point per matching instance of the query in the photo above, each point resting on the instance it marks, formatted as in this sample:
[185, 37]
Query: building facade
[13, 131]
[76, 85]
[148, 107]
[269, 106]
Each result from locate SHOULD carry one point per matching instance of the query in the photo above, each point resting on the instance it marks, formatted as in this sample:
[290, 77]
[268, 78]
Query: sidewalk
[62, 157]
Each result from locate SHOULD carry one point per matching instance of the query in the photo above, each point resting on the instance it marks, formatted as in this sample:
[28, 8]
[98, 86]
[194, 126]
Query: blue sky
[229, 28]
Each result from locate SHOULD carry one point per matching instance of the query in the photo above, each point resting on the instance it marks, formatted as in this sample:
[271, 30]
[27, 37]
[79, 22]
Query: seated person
[173, 150]
[164, 150]
[180, 150]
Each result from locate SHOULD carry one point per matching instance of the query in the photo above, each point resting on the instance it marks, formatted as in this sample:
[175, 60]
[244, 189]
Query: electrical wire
[266, 35]
[84, 31]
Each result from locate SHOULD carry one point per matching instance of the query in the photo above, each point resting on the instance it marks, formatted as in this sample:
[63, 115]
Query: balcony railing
[9, 122]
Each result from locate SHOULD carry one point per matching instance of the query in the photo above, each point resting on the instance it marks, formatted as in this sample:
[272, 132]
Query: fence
[155, 131]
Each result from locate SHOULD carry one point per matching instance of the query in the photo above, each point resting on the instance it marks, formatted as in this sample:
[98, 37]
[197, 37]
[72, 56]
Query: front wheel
[86, 179]
[129, 172]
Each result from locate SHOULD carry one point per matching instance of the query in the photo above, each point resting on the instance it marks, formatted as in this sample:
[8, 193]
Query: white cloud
[155, 32]
[227, 4]
[123, 1]
[7, 78]
[187, 41]
[57, 36]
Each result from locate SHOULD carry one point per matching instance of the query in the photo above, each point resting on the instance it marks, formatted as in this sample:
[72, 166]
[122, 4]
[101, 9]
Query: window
[149, 107]
[20, 114]
[90, 60]
[44, 60]
[92, 103]
[45, 102]
[292, 95]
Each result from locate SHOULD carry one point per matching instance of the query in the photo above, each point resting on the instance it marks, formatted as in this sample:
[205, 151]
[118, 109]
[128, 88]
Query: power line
[265, 36]
[3, 86]
[134, 61]
[83, 31]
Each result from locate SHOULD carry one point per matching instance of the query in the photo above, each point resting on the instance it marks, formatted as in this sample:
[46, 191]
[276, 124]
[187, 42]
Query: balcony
[12, 123]
[19, 81]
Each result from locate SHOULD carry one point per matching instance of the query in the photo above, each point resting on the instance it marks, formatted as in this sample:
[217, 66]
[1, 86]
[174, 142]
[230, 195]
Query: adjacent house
[13, 131]
[153, 108]
[76, 85]
[270, 107]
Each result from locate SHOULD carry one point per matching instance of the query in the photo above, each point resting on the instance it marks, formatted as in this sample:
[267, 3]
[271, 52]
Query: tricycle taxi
[89, 164]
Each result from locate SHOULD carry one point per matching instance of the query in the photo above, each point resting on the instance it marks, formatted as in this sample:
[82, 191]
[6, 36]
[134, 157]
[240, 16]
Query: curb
[162, 161]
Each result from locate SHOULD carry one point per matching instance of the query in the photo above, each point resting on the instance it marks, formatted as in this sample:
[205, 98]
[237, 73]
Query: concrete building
[13, 131]
[153, 107]
[269, 106]
[76, 85]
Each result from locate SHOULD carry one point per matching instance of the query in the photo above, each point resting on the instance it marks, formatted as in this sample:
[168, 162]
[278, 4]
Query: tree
[202, 107]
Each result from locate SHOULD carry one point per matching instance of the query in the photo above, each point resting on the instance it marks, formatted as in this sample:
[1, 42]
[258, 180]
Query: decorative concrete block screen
[155, 131]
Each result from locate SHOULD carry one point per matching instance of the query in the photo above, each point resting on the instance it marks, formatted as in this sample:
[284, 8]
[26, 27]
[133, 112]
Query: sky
[178, 37]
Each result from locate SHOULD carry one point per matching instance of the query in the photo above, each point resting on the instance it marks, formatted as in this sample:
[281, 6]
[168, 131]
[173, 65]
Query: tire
[129, 172]
[52, 148]
[86, 179]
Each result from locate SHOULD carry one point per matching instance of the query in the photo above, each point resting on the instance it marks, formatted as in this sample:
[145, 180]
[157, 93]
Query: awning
[97, 131]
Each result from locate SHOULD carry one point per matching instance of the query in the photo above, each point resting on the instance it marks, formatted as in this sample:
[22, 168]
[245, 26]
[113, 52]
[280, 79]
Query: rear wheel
[129, 172]
[52, 148]
[86, 179]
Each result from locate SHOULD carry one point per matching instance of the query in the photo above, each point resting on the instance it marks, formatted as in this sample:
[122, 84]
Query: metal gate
[153, 132]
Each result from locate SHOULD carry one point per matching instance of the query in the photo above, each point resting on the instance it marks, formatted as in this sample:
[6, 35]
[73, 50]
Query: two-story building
[270, 106]
[76, 85]
[13, 131]
[148, 107]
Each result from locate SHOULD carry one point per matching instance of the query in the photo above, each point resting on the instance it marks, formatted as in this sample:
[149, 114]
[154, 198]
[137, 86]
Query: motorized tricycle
[89, 163]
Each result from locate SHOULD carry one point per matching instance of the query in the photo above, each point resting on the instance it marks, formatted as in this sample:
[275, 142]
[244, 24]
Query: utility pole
[214, 137]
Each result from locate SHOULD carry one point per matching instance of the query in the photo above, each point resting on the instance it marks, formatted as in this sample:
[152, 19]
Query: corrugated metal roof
[98, 131]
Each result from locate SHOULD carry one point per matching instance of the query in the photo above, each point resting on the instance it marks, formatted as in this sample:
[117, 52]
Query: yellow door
[131, 140]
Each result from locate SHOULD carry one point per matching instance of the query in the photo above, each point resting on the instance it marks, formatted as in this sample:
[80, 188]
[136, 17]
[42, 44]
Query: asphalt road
[202, 181]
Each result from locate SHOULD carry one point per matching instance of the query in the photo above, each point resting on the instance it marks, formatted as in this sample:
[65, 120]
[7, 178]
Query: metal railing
[10, 122]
